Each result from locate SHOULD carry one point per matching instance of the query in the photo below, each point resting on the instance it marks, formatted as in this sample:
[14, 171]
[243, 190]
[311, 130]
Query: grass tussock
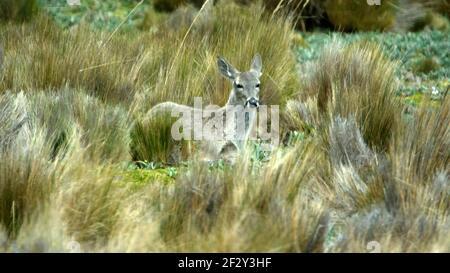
[357, 79]
[104, 128]
[26, 174]
[39, 137]
[236, 214]
[151, 141]
[405, 194]
[92, 204]
[423, 144]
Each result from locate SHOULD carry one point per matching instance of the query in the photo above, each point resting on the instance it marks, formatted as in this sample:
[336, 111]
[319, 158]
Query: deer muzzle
[252, 102]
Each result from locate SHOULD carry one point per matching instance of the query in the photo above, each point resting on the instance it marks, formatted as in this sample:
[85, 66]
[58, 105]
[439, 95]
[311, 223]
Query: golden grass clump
[104, 128]
[35, 177]
[91, 203]
[400, 200]
[227, 211]
[422, 146]
[26, 174]
[37, 137]
[151, 141]
[358, 80]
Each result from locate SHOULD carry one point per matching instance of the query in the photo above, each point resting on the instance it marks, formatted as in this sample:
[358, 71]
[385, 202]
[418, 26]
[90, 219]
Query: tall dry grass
[168, 64]
[356, 80]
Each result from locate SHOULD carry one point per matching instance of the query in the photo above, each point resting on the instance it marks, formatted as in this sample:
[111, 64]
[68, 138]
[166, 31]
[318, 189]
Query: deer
[238, 114]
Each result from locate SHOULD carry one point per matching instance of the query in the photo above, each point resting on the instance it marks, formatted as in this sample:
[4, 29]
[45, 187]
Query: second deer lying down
[238, 116]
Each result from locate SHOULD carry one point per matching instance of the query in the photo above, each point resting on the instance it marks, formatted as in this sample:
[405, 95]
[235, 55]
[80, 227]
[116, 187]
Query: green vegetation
[18, 10]
[99, 14]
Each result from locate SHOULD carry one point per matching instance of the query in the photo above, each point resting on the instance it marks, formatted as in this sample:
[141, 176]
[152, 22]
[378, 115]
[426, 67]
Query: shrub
[358, 15]
[18, 10]
[426, 65]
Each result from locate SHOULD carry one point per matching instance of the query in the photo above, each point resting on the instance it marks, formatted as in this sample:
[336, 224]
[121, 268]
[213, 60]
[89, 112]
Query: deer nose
[252, 102]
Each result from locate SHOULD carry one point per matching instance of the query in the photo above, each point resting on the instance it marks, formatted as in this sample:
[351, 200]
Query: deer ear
[257, 65]
[226, 69]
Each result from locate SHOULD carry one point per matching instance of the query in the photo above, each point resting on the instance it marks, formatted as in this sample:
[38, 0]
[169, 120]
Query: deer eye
[257, 86]
[240, 86]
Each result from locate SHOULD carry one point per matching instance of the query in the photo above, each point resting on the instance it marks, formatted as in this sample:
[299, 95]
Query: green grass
[141, 177]
[99, 14]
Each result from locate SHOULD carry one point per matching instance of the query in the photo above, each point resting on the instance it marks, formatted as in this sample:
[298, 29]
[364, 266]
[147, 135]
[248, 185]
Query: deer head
[246, 85]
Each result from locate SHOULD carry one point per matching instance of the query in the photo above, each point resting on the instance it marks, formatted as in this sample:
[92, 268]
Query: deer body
[239, 112]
